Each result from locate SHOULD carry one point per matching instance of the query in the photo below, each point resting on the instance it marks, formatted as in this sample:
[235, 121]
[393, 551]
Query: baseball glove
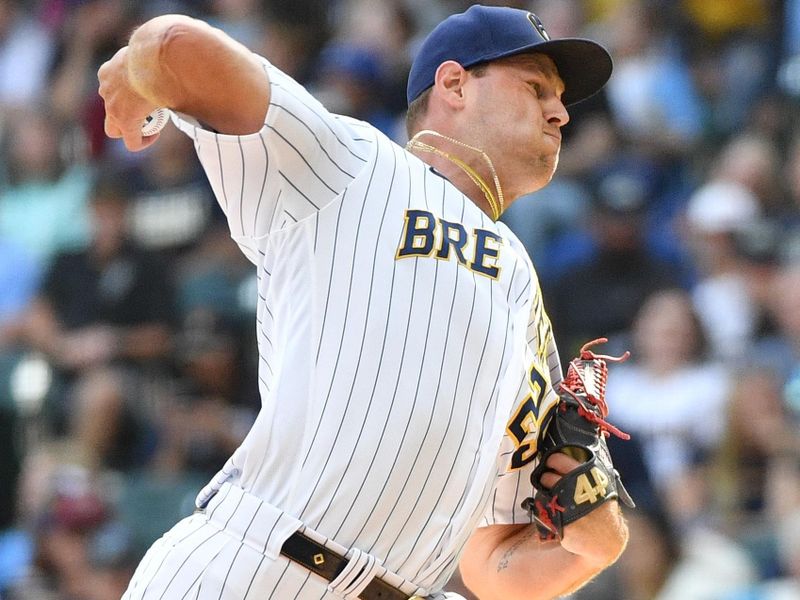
[578, 428]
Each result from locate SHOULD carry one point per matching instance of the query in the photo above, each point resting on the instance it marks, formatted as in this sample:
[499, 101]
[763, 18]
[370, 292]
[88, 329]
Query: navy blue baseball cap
[485, 33]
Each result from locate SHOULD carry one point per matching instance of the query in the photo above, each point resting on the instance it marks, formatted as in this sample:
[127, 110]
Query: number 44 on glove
[578, 428]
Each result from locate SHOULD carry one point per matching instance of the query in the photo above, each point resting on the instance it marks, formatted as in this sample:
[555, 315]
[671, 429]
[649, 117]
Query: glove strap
[575, 495]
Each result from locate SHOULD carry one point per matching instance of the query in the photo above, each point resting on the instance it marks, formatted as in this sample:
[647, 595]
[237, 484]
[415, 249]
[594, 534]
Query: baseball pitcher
[414, 416]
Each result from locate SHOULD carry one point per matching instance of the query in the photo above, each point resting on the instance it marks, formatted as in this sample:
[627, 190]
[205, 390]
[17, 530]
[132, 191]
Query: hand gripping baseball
[578, 428]
[127, 112]
[155, 121]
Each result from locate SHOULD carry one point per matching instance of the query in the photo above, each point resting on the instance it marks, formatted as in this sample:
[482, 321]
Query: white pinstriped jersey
[405, 357]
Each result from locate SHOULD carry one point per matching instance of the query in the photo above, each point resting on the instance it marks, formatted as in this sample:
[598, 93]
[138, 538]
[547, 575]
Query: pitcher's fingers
[133, 139]
[149, 140]
[112, 129]
[561, 463]
[549, 479]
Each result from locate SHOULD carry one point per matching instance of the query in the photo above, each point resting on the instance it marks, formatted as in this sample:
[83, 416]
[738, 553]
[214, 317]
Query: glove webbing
[591, 395]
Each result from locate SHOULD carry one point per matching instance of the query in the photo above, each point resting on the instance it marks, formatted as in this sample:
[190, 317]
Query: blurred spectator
[214, 398]
[652, 94]
[719, 20]
[757, 474]
[89, 31]
[350, 80]
[171, 202]
[753, 162]
[653, 552]
[790, 247]
[82, 550]
[541, 220]
[651, 555]
[786, 586]
[732, 60]
[215, 277]
[19, 279]
[26, 50]
[781, 350]
[15, 546]
[110, 304]
[791, 173]
[383, 26]
[599, 293]
[295, 31]
[43, 207]
[110, 301]
[240, 19]
[759, 248]
[715, 213]
[768, 118]
[711, 565]
[789, 68]
[72, 516]
[112, 560]
[393, 30]
[672, 401]
[108, 418]
[661, 563]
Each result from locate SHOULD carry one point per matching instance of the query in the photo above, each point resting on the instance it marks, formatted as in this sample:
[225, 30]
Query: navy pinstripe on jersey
[388, 378]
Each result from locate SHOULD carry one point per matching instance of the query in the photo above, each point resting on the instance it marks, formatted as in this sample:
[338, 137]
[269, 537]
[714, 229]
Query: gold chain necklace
[495, 203]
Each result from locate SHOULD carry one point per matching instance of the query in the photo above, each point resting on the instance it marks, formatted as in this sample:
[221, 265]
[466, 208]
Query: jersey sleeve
[513, 485]
[301, 160]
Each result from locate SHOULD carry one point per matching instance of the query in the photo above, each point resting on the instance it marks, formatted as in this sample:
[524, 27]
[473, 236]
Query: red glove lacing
[543, 512]
[574, 385]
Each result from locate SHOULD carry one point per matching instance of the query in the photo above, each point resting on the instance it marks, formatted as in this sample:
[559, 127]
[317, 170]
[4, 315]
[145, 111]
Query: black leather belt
[327, 564]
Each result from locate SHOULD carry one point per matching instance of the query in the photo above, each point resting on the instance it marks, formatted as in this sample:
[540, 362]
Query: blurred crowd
[127, 359]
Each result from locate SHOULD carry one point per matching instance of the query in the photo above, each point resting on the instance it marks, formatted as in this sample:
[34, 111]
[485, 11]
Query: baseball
[155, 121]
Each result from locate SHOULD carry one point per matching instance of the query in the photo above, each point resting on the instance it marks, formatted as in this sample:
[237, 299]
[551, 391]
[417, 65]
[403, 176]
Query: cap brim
[584, 66]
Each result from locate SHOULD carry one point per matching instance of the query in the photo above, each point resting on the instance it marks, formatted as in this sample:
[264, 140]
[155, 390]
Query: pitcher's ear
[449, 83]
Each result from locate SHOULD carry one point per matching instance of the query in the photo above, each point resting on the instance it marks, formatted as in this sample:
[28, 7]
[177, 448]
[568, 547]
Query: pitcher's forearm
[185, 64]
[522, 567]
[510, 562]
[148, 72]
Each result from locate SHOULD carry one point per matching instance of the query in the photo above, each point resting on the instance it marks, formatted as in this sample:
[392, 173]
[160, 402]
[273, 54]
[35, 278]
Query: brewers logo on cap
[537, 23]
